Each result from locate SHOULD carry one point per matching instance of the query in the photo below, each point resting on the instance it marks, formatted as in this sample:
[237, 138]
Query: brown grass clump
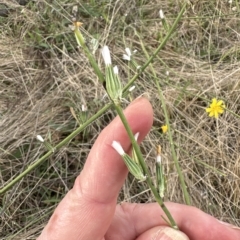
[43, 74]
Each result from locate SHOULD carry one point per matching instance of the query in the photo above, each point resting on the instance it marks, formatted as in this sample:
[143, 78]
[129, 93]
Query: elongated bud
[78, 35]
[81, 42]
[45, 143]
[159, 172]
[133, 167]
[134, 154]
[113, 83]
[163, 19]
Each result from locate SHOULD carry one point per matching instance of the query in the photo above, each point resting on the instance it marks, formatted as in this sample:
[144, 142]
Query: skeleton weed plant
[117, 92]
[114, 88]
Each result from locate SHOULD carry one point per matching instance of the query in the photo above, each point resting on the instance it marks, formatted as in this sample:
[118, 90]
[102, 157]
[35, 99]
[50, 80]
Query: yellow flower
[215, 108]
[164, 128]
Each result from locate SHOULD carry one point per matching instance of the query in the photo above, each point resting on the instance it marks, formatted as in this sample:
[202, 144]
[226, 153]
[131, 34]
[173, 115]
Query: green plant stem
[176, 163]
[58, 146]
[163, 43]
[179, 171]
[144, 166]
[80, 39]
[81, 42]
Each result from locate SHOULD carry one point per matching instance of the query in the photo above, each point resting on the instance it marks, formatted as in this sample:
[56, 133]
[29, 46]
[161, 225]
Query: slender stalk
[144, 166]
[176, 163]
[58, 146]
[172, 146]
[81, 42]
[141, 70]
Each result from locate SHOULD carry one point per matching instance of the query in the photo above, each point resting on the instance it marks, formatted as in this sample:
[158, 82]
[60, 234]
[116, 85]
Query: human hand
[89, 210]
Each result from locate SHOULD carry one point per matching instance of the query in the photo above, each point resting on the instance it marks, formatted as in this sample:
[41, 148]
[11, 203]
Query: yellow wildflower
[164, 128]
[215, 108]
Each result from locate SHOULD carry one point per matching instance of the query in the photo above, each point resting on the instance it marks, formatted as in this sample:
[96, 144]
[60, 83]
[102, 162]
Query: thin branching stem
[101, 111]
[163, 43]
[144, 166]
[57, 147]
[172, 146]
[174, 155]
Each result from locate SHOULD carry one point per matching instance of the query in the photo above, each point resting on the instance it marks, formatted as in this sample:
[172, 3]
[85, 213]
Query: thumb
[162, 233]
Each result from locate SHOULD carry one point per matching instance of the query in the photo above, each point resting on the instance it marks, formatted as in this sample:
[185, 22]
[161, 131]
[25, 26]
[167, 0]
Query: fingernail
[143, 95]
[229, 225]
[170, 234]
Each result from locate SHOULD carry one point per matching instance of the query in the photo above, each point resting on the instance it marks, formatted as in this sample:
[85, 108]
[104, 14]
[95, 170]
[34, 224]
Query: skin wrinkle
[161, 233]
[122, 217]
[164, 233]
[128, 213]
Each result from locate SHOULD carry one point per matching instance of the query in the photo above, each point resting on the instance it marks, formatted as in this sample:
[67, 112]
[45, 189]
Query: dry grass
[43, 74]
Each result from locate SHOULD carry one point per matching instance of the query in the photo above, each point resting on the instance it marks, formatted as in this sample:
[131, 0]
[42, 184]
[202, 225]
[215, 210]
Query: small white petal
[128, 51]
[84, 109]
[159, 159]
[136, 136]
[40, 138]
[106, 55]
[126, 57]
[161, 14]
[138, 66]
[115, 70]
[135, 50]
[117, 146]
[131, 88]
[167, 73]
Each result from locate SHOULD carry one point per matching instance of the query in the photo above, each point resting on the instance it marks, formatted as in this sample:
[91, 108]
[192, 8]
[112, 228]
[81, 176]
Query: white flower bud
[159, 159]
[106, 55]
[128, 51]
[131, 88]
[84, 108]
[136, 136]
[40, 138]
[117, 146]
[128, 55]
[161, 14]
[115, 70]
